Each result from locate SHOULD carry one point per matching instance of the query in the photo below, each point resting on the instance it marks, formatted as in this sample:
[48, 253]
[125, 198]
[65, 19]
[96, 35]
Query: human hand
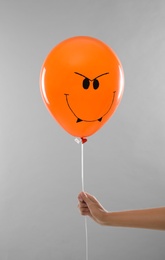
[90, 206]
[153, 218]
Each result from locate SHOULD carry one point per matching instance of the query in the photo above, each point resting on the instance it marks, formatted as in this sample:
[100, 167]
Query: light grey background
[40, 163]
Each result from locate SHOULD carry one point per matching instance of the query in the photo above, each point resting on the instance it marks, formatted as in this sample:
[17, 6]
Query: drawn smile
[93, 120]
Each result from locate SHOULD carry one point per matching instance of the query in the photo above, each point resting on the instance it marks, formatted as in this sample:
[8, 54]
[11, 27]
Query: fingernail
[80, 199]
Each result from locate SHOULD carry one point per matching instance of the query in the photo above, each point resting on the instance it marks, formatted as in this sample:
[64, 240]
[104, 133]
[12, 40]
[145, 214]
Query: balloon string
[82, 179]
[82, 166]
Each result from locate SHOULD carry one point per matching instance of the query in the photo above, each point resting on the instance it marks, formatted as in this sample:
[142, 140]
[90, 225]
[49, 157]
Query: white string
[82, 181]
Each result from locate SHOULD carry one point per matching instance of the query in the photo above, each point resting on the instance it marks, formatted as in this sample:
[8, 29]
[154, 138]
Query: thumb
[84, 197]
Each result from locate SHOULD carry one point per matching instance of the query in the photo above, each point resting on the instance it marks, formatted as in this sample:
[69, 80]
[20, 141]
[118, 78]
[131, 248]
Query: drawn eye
[95, 84]
[86, 83]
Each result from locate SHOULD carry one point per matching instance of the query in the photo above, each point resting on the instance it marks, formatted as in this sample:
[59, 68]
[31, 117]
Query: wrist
[106, 221]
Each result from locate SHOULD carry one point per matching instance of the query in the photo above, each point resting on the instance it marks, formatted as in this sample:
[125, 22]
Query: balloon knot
[84, 140]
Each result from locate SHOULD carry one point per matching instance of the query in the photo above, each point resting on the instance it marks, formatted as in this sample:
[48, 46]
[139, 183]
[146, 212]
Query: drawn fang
[79, 120]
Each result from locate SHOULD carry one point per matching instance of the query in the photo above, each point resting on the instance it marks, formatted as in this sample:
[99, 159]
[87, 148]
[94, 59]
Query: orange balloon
[82, 83]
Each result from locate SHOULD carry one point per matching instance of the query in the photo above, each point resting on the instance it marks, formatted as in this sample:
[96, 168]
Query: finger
[85, 211]
[82, 205]
[80, 197]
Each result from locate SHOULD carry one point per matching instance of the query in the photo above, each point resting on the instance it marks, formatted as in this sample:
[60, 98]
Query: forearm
[145, 218]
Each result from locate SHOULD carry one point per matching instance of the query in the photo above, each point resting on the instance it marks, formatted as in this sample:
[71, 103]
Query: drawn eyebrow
[91, 79]
[81, 75]
[102, 75]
